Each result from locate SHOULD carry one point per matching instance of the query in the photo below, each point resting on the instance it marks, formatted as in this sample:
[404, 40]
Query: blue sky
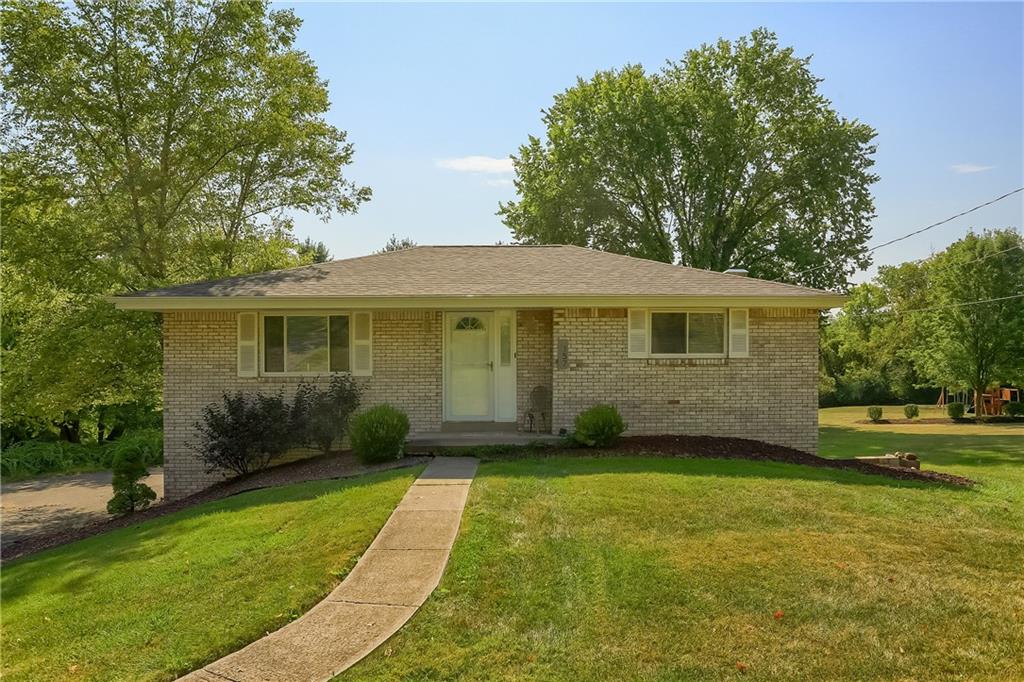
[422, 88]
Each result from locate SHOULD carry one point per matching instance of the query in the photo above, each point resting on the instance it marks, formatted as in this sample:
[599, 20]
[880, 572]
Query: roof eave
[162, 303]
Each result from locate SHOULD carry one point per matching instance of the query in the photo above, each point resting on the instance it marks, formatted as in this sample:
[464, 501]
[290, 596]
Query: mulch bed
[740, 448]
[343, 465]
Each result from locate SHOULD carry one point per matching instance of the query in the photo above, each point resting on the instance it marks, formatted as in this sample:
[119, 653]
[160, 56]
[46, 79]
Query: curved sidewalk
[392, 579]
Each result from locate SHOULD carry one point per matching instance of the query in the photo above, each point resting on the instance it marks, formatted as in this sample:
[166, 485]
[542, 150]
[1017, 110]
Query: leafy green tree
[396, 244]
[728, 158]
[968, 344]
[145, 144]
[314, 252]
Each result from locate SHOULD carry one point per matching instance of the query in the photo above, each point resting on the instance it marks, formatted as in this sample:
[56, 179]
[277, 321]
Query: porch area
[425, 442]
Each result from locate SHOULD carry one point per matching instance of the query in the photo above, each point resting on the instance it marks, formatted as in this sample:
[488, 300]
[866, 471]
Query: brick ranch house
[500, 337]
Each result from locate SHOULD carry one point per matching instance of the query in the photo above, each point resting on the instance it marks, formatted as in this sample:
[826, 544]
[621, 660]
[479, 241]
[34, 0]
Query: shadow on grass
[971, 450]
[561, 463]
[162, 537]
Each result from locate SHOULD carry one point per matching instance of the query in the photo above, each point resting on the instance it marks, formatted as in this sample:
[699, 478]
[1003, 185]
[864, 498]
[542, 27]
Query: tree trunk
[100, 428]
[71, 431]
[979, 401]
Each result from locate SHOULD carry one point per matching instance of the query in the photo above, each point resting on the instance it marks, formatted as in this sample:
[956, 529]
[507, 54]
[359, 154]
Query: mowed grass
[157, 600]
[662, 569]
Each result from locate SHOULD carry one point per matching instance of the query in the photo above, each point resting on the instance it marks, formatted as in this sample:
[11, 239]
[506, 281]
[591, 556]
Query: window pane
[668, 333]
[707, 333]
[307, 344]
[273, 344]
[505, 343]
[339, 343]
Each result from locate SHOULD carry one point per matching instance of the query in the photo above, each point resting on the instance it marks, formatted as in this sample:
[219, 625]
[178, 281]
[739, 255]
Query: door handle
[491, 365]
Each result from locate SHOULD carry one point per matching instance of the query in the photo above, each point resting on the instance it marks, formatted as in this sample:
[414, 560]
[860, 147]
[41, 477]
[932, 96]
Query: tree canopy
[730, 157]
[146, 144]
[953, 320]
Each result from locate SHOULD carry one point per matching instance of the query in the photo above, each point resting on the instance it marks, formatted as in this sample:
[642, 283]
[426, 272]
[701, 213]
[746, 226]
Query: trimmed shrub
[319, 416]
[1013, 409]
[244, 432]
[598, 426]
[955, 410]
[875, 413]
[911, 411]
[378, 434]
[130, 495]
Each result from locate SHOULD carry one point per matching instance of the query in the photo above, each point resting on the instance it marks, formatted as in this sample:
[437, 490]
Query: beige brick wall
[770, 396]
[533, 363]
[200, 365]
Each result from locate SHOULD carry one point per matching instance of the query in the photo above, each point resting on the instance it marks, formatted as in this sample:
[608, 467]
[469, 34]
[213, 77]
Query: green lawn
[583, 568]
[595, 569]
[160, 599]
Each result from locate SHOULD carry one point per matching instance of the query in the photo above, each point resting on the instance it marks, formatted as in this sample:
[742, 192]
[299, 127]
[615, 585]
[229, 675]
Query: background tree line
[915, 328]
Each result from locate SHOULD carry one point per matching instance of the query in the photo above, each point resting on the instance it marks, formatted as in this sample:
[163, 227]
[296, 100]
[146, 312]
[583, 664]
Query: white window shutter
[739, 333]
[362, 347]
[637, 333]
[248, 345]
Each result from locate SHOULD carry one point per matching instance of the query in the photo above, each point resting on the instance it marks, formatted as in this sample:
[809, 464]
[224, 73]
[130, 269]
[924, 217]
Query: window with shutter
[248, 345]
[739, 333]
[362, 351]
[637, 333]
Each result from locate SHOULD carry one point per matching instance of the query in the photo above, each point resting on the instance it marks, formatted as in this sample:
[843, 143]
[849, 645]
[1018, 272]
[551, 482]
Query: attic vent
[742, 272]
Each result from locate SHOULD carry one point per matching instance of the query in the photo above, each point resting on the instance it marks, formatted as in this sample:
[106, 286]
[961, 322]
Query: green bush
[378, 434]
[1013, 409]
[911, 411]
[598, 426]
[129, 495]
[40, 457]
[243, 433]
[875, 413]
[955, 410]
[320, 416]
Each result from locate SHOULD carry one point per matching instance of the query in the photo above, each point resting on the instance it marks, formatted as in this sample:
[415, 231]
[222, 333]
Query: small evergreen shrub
[243, 433]
[129, 494]
[911, 411]
[1013, 409]
[875, 413]
[955, 410]
[378, 434]
[598, 426]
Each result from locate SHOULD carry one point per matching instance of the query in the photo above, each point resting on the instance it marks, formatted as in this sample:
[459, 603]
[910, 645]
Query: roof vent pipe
[742, 272]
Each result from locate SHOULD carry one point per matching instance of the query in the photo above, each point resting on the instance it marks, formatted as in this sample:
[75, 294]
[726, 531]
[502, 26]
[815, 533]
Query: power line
[948, 305]
[923, 229]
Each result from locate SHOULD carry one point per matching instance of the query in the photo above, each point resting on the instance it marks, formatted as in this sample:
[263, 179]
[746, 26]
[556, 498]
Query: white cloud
[963, 168]
[498, 182]
[476, 164]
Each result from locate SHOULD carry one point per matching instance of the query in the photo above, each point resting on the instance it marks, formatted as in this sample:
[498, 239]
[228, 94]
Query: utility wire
[948, 305]
[923, 229]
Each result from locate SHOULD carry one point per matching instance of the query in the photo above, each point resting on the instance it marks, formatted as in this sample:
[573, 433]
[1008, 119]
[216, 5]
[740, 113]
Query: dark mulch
[947, 420]
[341, 465]
[740, 448]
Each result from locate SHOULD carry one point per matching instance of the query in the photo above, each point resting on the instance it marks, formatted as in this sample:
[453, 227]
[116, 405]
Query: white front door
[469, 389]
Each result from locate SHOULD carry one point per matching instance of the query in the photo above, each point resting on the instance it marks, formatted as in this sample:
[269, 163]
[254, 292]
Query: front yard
[582, 567]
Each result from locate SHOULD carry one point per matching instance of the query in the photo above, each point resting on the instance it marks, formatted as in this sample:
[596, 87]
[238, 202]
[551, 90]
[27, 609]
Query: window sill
[687, 362]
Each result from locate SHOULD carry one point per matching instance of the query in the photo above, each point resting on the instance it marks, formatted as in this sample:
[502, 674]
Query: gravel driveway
[44, 505]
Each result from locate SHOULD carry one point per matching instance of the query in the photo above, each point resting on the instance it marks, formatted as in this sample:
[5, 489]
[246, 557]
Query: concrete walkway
[393, 578]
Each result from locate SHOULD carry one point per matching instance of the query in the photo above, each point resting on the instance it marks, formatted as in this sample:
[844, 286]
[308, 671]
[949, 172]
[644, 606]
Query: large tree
[972, 335]
[730, 157]
[146, 144]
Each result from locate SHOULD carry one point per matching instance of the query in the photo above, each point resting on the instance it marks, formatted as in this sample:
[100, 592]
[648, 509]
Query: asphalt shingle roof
[488, 271]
